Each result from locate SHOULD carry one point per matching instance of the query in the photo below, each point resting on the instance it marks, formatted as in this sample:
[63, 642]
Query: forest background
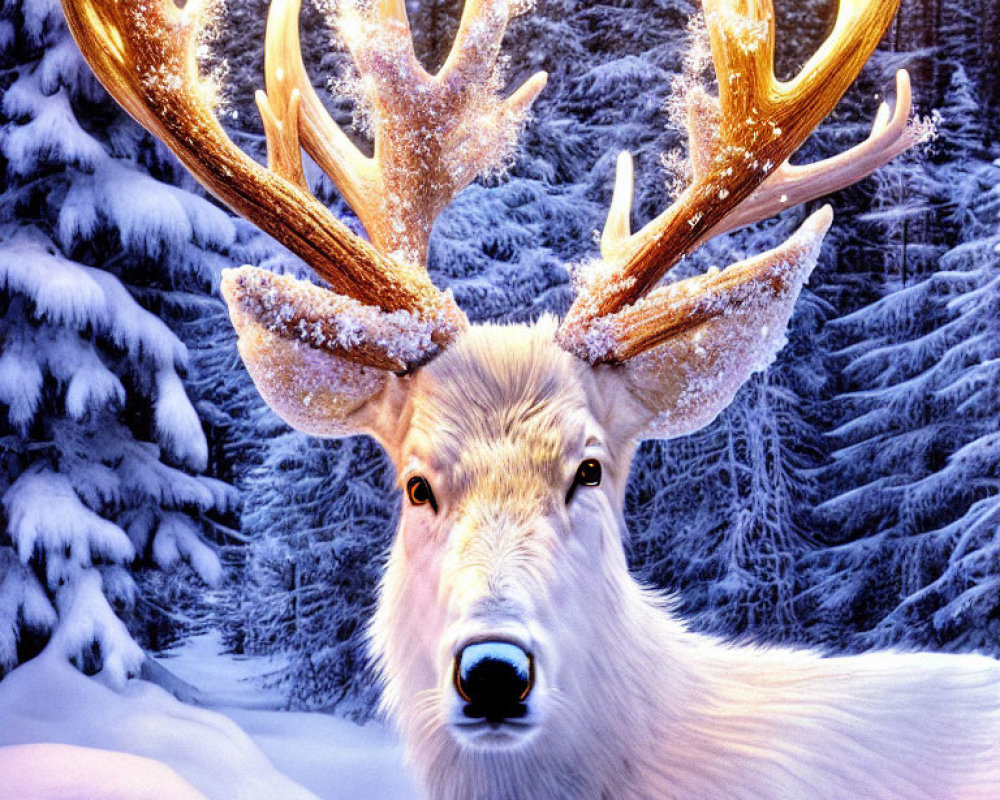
[849, 498]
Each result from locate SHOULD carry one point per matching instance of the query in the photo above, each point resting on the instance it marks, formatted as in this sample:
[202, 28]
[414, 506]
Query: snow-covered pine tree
[916, 557]
[101, 446]
[314, 563]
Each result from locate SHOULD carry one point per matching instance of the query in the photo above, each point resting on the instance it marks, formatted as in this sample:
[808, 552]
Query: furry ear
[324, 363]
[726, 326]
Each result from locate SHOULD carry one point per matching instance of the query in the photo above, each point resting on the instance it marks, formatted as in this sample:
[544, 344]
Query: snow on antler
[893, 132]
[145, 54]
[432, 134]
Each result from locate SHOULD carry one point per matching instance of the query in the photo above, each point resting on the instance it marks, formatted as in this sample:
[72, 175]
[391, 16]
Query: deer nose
[494, 678]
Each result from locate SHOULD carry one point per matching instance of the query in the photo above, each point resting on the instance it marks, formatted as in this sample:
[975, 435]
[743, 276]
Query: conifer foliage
[916, 439]
[101, 445]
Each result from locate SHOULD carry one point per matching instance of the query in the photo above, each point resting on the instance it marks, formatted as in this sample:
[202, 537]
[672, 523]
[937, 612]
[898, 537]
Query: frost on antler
[145, 54]
[316, 355]
[893, 132]
[432, 134]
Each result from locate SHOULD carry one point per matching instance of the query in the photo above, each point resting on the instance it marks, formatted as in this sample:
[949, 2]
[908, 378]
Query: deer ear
[319, 360]
[728, 325]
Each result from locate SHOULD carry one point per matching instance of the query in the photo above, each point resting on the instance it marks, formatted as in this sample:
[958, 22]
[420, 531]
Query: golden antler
[433, 134]
[740, 145]
[144, 52]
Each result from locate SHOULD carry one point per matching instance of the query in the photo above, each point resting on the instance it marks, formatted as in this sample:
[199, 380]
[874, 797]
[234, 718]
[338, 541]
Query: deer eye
[418, 492]
[587, 474]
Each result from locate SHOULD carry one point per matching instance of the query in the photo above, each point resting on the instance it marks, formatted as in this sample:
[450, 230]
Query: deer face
[511, 479]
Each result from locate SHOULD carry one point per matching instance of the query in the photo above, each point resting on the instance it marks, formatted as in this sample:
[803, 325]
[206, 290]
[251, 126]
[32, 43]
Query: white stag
[520, 658]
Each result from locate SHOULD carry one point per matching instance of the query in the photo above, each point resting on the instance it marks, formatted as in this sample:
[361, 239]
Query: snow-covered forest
[849, 499]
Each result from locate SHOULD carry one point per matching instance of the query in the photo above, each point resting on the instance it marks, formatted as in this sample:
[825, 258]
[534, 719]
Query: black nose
[495, 680]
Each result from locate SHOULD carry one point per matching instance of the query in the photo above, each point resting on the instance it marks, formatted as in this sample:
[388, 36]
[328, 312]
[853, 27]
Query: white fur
[627, 703]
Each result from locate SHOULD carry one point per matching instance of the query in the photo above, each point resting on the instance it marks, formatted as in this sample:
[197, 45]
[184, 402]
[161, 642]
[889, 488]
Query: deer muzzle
[495, 679]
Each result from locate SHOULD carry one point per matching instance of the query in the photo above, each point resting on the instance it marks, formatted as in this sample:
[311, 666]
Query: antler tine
[892, 134]
[145, 55]
[738, 140]
[477, 41]
[618, 228]
[281, 128]
[394, 10]
[432, 134]
[352, 172]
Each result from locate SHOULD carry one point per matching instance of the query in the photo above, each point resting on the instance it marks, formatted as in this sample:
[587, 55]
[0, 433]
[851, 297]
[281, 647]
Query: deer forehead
[501, 414]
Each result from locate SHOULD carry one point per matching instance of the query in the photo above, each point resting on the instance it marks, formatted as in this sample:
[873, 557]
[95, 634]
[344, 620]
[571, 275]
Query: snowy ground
[238, 750]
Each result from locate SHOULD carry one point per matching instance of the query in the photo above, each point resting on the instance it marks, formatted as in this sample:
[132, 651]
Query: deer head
[512, 444]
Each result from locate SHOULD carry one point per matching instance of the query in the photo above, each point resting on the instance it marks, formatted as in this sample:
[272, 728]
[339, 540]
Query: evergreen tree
[102, 447]
[915, 555]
